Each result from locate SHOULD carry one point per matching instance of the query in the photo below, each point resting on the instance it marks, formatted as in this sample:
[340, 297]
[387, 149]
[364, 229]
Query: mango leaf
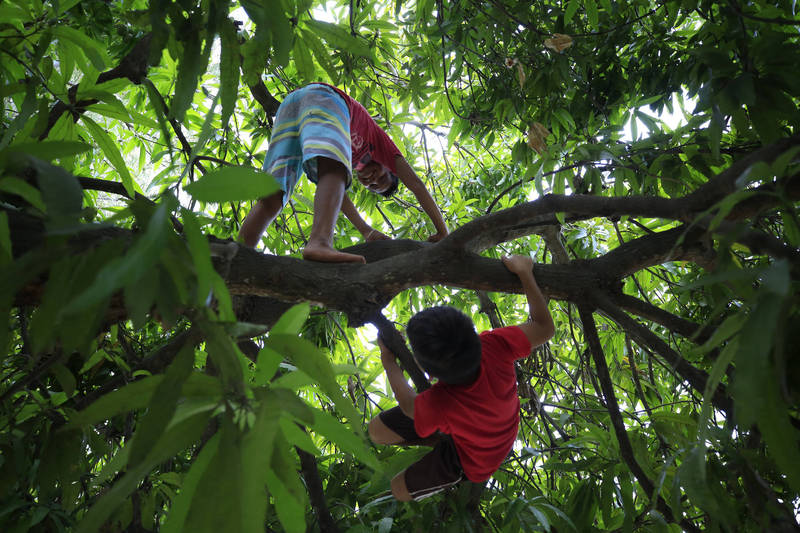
[120, 271]
[137, 395]
[179, 509]
[325, 424]
[297, 437]
[303, 61]
[175, 439]
[315, 363]
[94, 51]
[5, 239]
[232, 184]
[201, 256]
[286, 488]
[47, 150]
[228, 69]
[216, 505]
[339, 37]
[291, 321]
[256, 459]
[25, 191]
[266, 365]
[112, 153]
[192, 64]
[162, 405]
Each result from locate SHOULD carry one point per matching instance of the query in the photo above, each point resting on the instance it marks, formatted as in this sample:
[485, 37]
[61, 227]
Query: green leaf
[232, 184]
[22, 189]
[121, 271]
[112, 153]
[6, 251]
[266, 365]
[303, 61]
[291, 322]
[201, 256]
[347, 441]
[93, 50]
[175, 439]
[191, 66]
[47, 150]
[297, 437]
[256, 458]
[216, 505]
[179, 509]
[339, 37]
[162, 405]
[286, 488]
[591, 13]
[569, 12]
[228, 69]
[320, 51]
[137, 395]
[315, 363]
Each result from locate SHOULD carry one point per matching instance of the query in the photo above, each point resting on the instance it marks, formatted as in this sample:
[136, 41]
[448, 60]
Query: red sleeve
[428, 413]
[505, 344]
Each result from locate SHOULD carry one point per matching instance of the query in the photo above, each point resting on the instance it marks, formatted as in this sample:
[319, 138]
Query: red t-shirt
[483, 417]
[367, 139]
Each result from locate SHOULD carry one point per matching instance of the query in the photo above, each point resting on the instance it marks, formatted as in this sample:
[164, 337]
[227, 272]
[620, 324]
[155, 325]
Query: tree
[156, 375]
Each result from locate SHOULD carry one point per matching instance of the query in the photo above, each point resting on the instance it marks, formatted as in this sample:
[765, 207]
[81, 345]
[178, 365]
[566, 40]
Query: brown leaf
[537, 133]
[520, 75]
[558, 42]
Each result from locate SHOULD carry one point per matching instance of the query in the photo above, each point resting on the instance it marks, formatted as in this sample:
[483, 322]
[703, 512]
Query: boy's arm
[540, 328]
[407, 175]
[403, 392]
[367, 231]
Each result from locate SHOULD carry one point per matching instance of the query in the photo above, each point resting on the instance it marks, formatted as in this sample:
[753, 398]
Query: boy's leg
[438, 470]
[394, 427]
[331, 179]
[259, 218]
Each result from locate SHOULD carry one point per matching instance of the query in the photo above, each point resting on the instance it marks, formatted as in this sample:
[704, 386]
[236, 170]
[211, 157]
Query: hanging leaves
[558, 42]
[537, 134]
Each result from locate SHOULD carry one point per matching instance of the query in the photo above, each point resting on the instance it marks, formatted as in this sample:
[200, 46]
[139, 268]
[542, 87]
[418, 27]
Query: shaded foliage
[157, 376]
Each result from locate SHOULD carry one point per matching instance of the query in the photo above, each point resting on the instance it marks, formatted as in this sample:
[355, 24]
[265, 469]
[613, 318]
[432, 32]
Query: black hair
[392, 188]
[445, 344]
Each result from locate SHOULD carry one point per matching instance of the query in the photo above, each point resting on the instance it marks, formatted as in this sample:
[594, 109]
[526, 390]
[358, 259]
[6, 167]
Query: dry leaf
[520, 75]
[559, 42]
[536, 136]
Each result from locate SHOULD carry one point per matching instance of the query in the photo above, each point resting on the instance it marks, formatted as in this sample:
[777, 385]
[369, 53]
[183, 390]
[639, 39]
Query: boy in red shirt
[474, 405]
[321, 132]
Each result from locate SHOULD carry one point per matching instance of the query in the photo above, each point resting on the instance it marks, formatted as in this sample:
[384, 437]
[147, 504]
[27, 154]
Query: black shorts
[438, 470]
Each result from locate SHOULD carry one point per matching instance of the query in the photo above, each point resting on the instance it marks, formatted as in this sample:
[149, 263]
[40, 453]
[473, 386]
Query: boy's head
[445, 344]
[376, 177]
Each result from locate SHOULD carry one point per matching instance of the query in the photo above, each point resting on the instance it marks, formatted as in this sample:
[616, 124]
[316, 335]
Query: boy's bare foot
[327, 254]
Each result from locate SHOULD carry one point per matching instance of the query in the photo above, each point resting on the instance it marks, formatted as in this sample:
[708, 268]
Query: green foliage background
[149, 98]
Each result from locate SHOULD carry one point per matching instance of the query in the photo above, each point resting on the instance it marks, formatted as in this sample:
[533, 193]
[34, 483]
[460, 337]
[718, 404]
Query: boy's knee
[374, 430]
[399, 488]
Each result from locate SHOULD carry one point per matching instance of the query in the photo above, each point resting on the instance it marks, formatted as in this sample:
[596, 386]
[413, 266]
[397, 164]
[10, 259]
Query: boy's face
[374, 177]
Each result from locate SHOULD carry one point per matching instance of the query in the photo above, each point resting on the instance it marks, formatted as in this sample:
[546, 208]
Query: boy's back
[481, 417]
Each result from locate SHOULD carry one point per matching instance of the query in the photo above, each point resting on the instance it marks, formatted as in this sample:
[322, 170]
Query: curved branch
[694, 376]
[308, 467]
[133, 66]
[394, 341]
[625, 448]
[686, 328]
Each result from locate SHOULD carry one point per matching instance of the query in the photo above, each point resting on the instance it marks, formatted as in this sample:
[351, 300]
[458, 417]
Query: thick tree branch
[522, 220]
